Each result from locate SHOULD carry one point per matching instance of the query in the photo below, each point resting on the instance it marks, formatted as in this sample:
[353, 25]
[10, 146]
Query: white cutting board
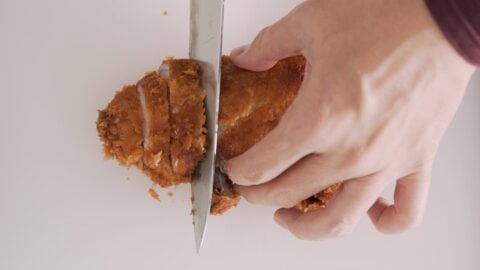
[63, 207]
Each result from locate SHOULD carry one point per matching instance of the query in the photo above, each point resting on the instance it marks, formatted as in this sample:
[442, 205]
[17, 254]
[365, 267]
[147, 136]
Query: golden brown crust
[156, 157]
[120, 126]
[187, 117]
[222, 203]
[169, 136]
[319, 200]
[252, 103]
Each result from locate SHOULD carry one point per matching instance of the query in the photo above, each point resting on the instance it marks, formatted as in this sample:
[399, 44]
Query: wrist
[460, 25]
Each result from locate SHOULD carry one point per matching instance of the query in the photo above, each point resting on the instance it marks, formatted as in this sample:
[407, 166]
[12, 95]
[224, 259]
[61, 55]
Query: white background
[63, 207]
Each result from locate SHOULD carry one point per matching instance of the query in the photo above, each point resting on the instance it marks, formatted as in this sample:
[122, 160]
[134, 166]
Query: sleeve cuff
[459, 21]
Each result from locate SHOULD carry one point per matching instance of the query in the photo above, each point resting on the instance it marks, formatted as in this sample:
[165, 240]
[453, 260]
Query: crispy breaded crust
[187, 117]
[156, 157]
[319, 200]
[251, 105]
[119, 126]
[222, 203]
[169, 140]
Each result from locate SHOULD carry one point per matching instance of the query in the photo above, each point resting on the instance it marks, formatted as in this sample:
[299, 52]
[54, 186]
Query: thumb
[288, 142]
[272, 44]
[299, 133]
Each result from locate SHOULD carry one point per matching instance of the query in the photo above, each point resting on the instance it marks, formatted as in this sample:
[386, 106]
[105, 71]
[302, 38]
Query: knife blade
[206, 26]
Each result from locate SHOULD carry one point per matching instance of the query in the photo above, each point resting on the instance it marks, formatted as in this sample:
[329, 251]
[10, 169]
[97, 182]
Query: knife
[206, 26]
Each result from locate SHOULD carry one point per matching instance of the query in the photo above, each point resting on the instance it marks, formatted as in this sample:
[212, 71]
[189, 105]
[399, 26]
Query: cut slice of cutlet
[187, 116]
[157, 125]
[153, 92]
[120, 127]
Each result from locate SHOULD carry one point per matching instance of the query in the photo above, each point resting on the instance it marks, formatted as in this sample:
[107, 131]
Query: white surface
[63, 207]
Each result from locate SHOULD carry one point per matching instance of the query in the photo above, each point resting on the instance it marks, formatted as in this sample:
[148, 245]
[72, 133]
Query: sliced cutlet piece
[120, 127]
[153, 91]
[187, 117]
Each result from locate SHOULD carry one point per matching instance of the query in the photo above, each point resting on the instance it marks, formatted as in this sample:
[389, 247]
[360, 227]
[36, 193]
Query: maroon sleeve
[460, 23]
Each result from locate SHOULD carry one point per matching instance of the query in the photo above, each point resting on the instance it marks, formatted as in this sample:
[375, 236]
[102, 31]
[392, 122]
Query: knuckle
[355, 157]
[262, 37]
[408, 222]
[362, 160]
[401, 224]
[355, 161]
[339, 227]
[266, 44]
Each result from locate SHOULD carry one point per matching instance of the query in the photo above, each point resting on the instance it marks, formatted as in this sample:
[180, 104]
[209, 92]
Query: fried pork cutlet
[169, 142]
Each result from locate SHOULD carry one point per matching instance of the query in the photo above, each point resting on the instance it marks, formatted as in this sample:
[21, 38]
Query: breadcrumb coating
[158, 125]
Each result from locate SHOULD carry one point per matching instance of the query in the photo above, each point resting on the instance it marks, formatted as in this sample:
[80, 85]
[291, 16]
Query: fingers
[409, 204]
[273, 43]
[276, 152]
[292, 139]
[308, 176]
[340, 216]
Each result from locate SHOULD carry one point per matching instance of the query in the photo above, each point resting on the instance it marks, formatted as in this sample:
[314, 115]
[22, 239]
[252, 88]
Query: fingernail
[238, 51]
[280, 221]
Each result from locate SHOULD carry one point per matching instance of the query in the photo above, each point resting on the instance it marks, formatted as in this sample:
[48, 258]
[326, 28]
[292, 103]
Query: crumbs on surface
[165, 13]
[170, 194]
[154, 194]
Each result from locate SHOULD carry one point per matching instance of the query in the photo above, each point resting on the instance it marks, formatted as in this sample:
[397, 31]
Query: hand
[381, 86]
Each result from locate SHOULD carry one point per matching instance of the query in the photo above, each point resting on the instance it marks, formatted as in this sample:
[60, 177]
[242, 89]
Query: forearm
[459, 21]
